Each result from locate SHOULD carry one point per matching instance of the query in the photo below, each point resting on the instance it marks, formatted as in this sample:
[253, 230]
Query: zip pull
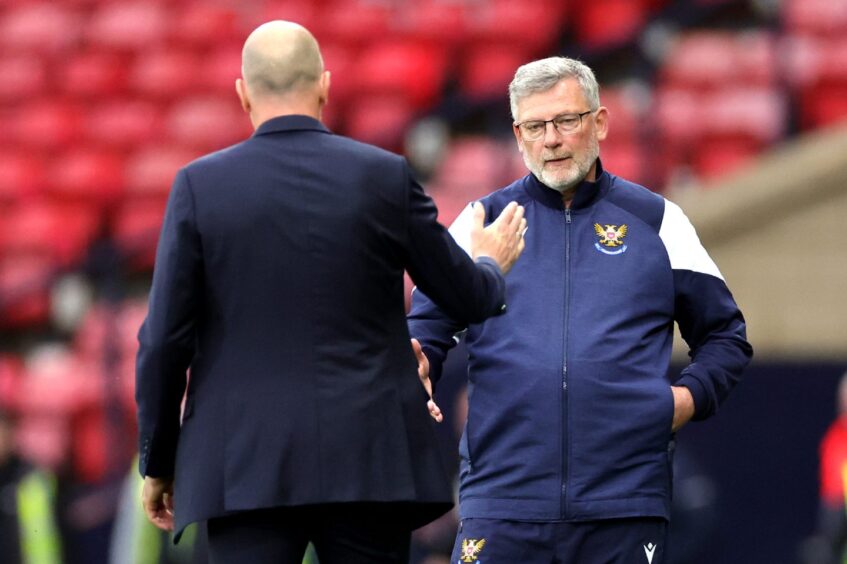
[567, 215]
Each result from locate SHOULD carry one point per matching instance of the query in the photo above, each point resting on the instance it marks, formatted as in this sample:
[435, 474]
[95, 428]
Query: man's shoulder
[217, 158]
[637, 200]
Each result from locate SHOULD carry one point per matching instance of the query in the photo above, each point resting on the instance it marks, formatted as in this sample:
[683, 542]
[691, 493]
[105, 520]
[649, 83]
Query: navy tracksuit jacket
[570, 401]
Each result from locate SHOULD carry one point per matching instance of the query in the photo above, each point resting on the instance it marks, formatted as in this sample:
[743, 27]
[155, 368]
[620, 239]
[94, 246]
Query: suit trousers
[342, 533]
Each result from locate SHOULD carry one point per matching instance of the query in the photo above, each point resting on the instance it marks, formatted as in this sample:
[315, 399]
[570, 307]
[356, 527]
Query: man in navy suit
[279, 283]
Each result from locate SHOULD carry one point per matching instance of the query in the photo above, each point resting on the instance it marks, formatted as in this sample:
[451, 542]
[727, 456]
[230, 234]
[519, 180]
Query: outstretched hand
[423, 374]
[503, 239]
[157, 498]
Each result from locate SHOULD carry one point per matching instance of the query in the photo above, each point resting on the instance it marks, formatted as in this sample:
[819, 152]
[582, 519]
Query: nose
[552, 137]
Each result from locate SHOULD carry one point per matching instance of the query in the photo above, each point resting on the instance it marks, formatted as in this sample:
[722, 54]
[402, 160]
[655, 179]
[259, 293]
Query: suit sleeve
[167, 336]
[709, 319]
[437, 331]
[466, 290]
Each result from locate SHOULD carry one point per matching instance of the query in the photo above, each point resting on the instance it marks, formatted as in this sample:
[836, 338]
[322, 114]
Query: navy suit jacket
[279, 283]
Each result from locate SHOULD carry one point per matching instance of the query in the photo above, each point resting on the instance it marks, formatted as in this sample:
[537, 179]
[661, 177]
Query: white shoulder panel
[684, 248]
[461, 228]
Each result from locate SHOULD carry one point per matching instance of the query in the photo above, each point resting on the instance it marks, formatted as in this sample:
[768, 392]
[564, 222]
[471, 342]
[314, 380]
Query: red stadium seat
[93, 75]
[715, 58]
[824, 105]
[304, 12]
[534, 25]
[339, 60]
[380, 120]
[815, 17]
[166, 73]
[431, 20]
[609, 23]
[24, 290]
[355, 23]
[415, 71]
[24, 76]
[208, 123]
[487, 70]
[59, 232]
[758, 114]
[220, 69]
[42, 27]
[678, 115]
[136, 232]
[204, 23]
[45, 125]
[88, 176]
[128, 25]
[151, 170]
[123, 123]
[626, 105]
[11, 374]
[474, 166]
[21, 176]
[625, 159]
[44, 439]
[719, 157]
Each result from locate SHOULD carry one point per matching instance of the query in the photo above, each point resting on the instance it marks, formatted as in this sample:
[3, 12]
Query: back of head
[280, 58]
[544, 74]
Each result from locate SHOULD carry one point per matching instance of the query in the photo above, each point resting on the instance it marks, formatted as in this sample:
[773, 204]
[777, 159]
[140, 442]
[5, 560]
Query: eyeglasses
[533, 130]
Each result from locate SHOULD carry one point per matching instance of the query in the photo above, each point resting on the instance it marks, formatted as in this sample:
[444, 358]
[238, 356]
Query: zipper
[563, 507]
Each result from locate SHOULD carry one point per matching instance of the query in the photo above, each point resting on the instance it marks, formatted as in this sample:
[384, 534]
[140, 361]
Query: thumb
[478, 215]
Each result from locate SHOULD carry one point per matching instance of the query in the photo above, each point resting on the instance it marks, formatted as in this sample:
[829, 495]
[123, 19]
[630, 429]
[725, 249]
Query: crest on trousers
[611, 238]
[471, 549]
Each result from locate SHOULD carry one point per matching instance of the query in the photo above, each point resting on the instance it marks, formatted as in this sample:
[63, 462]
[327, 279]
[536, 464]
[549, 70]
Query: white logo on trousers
[649, 550]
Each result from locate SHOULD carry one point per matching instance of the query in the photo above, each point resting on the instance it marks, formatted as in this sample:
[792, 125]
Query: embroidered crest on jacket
[611, 238]
[471, 548]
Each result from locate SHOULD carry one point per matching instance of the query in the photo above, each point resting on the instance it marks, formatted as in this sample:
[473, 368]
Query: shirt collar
[290, 123]
[587, 192]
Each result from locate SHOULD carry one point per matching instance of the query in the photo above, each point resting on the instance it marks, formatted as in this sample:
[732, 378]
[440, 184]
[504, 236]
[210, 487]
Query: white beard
[564, 181]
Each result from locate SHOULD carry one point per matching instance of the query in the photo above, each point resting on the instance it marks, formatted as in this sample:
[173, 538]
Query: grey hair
[544, 74]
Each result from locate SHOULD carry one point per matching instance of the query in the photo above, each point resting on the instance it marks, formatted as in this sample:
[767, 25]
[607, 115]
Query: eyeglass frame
[552, 121]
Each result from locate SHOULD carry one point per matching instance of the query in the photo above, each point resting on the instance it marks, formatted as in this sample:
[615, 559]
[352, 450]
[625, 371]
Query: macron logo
[649, 550]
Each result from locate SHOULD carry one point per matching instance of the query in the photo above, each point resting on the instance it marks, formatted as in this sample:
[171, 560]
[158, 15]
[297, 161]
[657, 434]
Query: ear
[241, 90]
[323, 88]
[601, 122]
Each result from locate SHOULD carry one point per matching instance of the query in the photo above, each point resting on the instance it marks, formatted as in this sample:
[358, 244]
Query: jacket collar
[587, 192]
[290, 123]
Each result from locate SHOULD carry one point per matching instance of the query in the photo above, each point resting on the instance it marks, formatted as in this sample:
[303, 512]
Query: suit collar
[290, 123]
[587, 192]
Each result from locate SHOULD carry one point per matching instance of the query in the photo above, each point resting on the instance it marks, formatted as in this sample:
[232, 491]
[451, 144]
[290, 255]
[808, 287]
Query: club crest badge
[611, 239]
[471, 549]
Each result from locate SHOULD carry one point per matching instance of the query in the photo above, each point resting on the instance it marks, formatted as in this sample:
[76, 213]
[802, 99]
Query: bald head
[280, 58]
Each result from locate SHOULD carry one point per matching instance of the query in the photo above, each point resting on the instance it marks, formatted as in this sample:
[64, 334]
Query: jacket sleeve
[166, 339]
[466, 290]
[429, 324]
[708, 317]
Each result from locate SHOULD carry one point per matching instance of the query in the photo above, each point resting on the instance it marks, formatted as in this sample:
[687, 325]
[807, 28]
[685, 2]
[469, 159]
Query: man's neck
[260, 115]
[569, 194]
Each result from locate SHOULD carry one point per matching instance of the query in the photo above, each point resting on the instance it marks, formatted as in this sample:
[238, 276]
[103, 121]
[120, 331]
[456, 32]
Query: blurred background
[735, 109]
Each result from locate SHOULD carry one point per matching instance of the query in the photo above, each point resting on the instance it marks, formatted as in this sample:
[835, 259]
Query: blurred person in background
[568, 446]
[29, 532]
[829, 545]
[279, 282]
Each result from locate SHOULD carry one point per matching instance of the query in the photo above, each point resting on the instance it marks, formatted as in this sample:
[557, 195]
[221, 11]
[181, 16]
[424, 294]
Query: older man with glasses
[568, 446]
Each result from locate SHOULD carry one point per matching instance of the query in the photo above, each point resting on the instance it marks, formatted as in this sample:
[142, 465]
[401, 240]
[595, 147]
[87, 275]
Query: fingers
[434, 411]
[160, 514]
[416, 346]
[158, 502]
